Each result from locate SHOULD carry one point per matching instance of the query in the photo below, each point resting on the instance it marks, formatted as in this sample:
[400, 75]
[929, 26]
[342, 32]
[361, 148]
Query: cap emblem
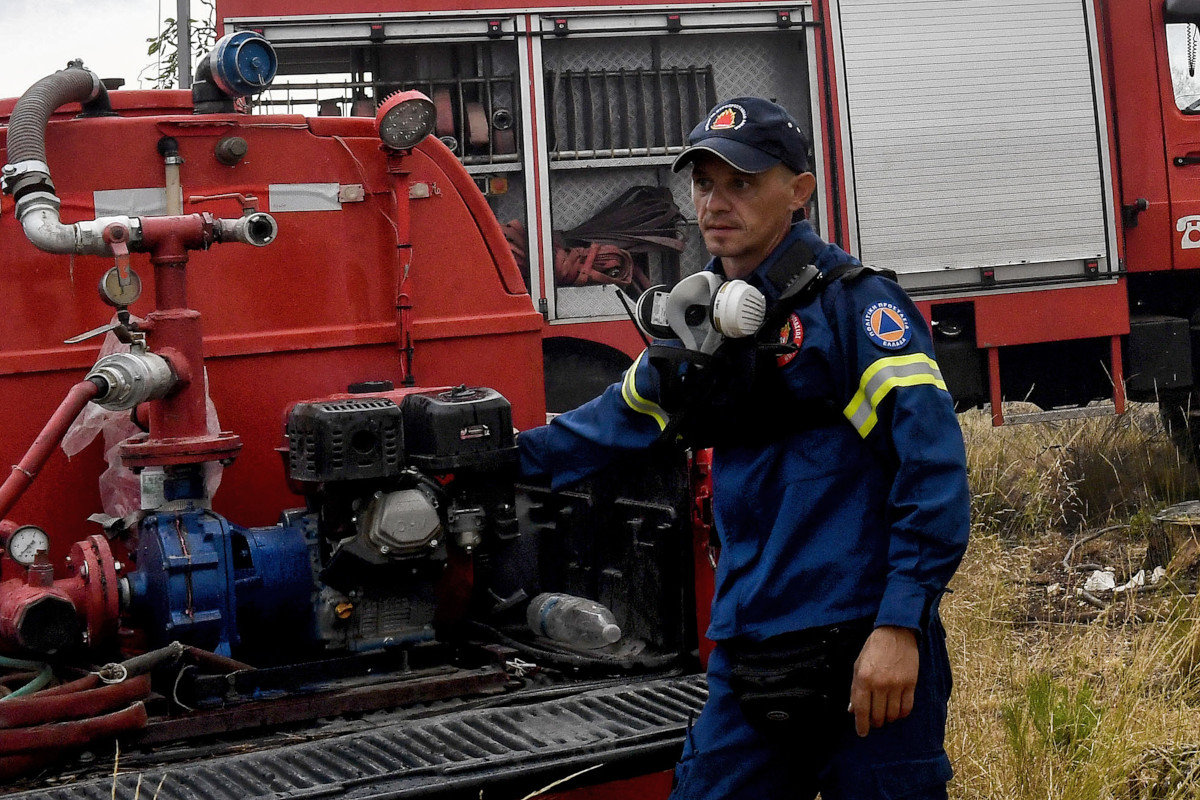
[730, 117]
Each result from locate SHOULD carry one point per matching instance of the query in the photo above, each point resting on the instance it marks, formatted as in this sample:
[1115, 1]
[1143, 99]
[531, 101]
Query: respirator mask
[702, 311]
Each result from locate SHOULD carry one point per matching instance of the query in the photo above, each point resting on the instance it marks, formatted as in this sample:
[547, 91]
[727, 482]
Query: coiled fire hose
[39, 728]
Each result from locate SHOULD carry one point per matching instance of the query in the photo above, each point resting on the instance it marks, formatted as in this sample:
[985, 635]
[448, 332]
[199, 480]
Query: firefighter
[839, 492]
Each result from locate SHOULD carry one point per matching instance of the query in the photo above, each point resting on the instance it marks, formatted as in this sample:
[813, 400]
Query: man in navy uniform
[839, 495]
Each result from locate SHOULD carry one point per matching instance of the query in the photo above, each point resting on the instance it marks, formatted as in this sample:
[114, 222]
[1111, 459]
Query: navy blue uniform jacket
[866, 518]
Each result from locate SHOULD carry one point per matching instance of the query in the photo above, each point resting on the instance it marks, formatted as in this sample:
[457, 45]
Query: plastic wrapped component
[573, 621]
[120, 488]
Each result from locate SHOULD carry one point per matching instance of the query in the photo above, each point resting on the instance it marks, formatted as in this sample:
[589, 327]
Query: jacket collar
[825, 257]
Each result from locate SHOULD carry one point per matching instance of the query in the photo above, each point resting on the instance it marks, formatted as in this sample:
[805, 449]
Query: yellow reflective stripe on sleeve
[638, 403]
[882, 377]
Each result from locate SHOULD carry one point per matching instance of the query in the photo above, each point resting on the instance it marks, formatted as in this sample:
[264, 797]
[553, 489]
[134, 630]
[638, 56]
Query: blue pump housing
[202, 580]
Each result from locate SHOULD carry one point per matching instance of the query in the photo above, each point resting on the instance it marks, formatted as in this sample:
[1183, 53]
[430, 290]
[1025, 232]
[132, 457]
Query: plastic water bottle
[573, 621]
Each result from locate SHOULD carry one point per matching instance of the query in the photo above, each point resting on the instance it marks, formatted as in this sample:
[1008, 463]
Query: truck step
[1060, 414]
[633, 728]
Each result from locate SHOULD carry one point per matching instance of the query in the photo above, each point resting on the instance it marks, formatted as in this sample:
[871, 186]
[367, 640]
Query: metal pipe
[27, 177]
[178, 421]
[183, 41]
[168, 148]
[40, 219]
[258, 229]
[39, 452]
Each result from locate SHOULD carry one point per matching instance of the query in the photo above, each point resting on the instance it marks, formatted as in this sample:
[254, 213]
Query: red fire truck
[1026, 168]
[324, 314]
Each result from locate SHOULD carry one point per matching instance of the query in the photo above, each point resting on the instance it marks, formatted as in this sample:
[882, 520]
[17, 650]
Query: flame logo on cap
[730, 117]
[724, 120]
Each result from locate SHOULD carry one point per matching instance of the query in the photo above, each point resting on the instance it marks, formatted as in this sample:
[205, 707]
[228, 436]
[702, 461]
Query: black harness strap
[737, 396]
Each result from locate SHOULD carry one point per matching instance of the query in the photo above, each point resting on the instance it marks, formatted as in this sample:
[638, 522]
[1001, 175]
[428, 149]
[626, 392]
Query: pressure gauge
[25, 542]
[405, 119]
[119, 291]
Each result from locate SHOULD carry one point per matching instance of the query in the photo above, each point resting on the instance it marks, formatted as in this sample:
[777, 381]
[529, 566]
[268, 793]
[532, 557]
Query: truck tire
[578, 370]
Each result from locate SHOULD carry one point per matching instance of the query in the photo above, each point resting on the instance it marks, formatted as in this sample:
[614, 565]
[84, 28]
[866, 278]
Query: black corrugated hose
[27, 126]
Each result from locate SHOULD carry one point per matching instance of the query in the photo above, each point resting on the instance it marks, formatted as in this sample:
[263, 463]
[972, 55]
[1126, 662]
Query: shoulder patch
[887, 326]
[791, 333]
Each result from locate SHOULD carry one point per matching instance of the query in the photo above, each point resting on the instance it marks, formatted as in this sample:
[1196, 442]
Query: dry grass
[1107, 703]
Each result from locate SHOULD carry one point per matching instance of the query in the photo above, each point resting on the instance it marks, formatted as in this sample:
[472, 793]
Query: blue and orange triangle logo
[887, 326]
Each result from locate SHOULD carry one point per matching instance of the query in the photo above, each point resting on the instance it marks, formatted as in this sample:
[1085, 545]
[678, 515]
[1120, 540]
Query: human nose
[718, 199]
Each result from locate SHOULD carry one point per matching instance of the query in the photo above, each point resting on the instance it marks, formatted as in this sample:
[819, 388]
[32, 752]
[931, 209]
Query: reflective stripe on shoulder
[882, 377]
[638, 403]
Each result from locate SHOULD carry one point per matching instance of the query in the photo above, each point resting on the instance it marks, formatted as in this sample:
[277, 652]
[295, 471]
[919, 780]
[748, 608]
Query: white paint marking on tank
[150, 202]
[303, 197]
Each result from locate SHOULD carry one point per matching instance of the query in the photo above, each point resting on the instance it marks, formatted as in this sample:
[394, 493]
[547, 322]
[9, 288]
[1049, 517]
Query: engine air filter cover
[353, 439]
[459, 428]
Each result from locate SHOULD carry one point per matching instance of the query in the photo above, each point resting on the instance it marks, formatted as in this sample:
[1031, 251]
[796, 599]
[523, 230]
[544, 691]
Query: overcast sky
[109, 35]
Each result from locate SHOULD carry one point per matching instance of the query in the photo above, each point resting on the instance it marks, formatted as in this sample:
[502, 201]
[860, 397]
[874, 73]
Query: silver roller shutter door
[973, 129]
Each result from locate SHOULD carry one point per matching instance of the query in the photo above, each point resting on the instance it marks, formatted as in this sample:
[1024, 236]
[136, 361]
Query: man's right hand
[885, 678]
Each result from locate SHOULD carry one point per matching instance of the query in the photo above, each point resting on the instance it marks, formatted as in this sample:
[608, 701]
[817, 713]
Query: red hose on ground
[38, 709]
[76, 733]
[39, 452]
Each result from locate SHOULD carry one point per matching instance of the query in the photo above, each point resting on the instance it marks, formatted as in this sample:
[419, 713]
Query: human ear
[803, 186]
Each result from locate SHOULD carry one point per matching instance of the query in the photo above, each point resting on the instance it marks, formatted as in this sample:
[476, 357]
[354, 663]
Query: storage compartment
[1158, 356]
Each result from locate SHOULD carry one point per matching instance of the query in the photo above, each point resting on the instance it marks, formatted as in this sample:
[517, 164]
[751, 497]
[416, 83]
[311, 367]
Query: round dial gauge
[25, 542]
[120, 292]
[405, 119]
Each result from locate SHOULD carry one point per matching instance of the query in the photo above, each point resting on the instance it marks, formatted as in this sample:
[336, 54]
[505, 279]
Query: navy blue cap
[750, 134]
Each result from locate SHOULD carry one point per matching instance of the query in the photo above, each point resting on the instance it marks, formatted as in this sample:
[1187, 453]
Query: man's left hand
[885, 678]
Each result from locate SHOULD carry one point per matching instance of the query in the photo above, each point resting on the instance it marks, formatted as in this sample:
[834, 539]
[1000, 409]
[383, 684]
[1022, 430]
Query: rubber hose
[43, 446]
[20, 663]
[45, 708]
[90, 681]
[44, 677]
[76, 733]
[18, 765]
[27, 125]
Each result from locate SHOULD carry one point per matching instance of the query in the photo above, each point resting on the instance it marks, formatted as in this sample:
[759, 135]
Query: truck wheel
[1180, 413]
[578, 370]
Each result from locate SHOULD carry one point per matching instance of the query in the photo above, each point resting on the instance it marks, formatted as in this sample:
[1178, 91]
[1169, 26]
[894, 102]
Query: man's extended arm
[624, 418]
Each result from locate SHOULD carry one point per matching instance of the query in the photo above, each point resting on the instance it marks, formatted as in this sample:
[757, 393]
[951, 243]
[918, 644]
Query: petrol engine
[398, 485]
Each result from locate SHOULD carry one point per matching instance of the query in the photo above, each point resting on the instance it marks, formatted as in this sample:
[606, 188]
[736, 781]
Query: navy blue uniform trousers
[726, 759]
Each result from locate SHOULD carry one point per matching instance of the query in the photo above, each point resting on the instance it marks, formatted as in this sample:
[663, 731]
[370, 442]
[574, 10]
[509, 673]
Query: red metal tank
[377, 253]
